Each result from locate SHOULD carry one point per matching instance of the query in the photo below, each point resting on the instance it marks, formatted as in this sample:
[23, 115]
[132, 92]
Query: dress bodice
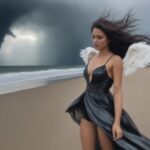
[100, 79]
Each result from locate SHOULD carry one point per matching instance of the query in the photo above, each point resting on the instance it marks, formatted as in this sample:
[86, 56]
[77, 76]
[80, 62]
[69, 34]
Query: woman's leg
[105, 142]
[88, 134]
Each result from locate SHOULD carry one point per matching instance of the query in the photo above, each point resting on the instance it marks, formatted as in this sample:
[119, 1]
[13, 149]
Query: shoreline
[14, 82]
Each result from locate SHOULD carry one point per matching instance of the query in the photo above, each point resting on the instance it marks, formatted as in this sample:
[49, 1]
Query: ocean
[16, 78]
[12, 69]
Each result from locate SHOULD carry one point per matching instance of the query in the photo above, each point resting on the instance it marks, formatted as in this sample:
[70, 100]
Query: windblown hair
[119, 32]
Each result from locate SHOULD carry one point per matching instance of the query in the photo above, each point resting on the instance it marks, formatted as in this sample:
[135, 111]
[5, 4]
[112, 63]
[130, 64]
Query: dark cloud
[10, 11]
[57, 29]
[61, 22]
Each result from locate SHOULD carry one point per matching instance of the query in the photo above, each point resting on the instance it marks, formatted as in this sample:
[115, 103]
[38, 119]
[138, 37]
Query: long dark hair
[119, 32]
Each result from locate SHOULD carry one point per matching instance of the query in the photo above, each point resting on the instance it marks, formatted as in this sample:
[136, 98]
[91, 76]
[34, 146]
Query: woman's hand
[117, 131]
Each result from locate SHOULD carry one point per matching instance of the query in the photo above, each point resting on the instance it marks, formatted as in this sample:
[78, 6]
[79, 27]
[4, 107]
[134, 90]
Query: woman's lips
[96, 45]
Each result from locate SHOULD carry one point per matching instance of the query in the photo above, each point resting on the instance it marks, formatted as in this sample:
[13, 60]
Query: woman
[104, 124]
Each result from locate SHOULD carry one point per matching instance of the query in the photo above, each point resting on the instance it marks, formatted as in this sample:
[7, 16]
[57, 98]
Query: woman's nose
[95, 40]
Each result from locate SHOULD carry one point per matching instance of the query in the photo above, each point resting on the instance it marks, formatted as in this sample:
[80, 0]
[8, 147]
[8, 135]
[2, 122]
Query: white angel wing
[86, 53]
[137, 56]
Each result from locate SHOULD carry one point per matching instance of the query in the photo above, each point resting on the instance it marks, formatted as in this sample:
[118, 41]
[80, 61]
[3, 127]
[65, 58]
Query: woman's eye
[99, 37]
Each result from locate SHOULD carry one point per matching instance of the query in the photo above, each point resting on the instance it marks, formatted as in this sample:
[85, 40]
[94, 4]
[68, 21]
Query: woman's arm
[117, 89]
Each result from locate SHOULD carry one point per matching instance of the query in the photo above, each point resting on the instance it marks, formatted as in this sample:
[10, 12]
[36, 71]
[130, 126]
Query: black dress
[96, 104]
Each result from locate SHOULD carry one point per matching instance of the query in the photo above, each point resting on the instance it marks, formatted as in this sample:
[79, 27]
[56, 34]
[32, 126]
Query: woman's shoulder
[91, 55]
[117, 59]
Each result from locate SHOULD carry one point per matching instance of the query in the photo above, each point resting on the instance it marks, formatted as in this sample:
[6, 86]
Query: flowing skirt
[99, 109]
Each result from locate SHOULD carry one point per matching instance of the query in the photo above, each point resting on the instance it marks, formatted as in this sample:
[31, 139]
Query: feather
[87, 52]
[137, 56]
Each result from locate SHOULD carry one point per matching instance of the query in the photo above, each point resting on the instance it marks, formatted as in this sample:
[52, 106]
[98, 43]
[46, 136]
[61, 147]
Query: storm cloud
[11, 11]
[48, 32]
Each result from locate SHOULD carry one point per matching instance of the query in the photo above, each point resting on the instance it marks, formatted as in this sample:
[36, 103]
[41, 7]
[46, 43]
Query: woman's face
[99, 38]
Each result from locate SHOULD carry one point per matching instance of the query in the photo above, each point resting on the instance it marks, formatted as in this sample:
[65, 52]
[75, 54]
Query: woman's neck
[104, 52]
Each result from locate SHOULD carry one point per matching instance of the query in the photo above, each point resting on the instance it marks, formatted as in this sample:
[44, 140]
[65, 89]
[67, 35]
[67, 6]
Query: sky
[52, 32]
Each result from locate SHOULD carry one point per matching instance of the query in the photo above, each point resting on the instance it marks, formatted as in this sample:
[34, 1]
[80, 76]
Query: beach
[35, 119]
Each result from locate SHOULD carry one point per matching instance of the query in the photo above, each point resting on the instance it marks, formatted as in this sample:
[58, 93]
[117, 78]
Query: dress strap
[109, 58]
